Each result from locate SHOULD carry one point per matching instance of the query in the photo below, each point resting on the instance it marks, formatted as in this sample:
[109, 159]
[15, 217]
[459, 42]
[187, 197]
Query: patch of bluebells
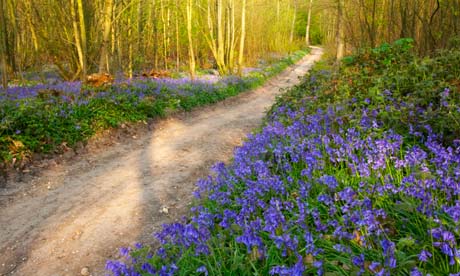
[47, 118]
[69, 91]
[331, 191]
[368, 185]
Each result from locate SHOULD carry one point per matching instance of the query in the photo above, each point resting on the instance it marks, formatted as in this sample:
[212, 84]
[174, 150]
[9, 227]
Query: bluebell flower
[202, 269]
[424, 255]
[415, 272]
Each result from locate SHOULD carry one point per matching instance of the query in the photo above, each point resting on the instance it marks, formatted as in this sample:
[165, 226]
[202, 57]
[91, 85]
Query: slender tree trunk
[278, 12]
[242, 38]
[104, 59]
[120, 50]
[294, 19]
[77, 37]
[31, 25]
[81, 16]
[11, 48]
[168, 28]
[113, 32]
[383, 13]
[227, 35]
[140, 45]
[191, 53]
[177, 37]
[3, 45]
[307, 32]
[232, 31]
[391, 20]
[130, 43]
[373, 33]
[212, 42]
[404, 15]
[220, 38]
[340, 31]
[414, 20]
[148, 29]
[155, 34]
[165, 37]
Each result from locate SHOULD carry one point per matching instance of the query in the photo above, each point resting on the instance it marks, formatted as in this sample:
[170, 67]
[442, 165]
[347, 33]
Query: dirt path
[78, 214]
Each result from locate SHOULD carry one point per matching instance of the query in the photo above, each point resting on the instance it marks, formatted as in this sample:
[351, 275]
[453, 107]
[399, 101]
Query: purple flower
[375, 267]
[146, 267]
[296, 270]
[125, 251]
[202, 269]
[424, 256]
[330, 181]
[358, 260]
[415, 272]
[445, 93]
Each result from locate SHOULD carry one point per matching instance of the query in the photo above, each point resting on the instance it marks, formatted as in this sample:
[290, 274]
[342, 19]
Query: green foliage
[415, 83]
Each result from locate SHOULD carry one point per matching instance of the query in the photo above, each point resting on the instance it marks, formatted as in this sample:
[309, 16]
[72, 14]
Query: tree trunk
[373, 26]
[340, 31]
[177, 37]
[232, 34]
[3, 45]
[130, 42]
[307, 32]
[211, 40]
[77, 37]
[220, 38]
[165, 37]
[191, 53]
[31, 25]
[278, 11]
[81, 16]
[294, 19]
[242, 38]
[155, 35]
[11, 47]
[104, 59]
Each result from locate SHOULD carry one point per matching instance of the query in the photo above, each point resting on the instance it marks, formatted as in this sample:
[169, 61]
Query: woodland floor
[77, 212]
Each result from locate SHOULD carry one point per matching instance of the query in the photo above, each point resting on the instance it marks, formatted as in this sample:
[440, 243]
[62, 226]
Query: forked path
[77, 214]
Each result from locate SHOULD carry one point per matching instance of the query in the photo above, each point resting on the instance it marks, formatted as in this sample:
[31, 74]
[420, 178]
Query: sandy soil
[76, 214]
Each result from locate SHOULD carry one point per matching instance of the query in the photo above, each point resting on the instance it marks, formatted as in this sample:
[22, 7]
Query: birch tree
[191, 52]
[242, 38]
[78, 39]
[3, 45]
[307, 31]
[84, 45]
[340, 31]
[104, 66]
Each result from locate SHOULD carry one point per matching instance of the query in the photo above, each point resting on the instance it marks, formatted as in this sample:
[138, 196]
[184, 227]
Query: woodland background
[78, 37]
